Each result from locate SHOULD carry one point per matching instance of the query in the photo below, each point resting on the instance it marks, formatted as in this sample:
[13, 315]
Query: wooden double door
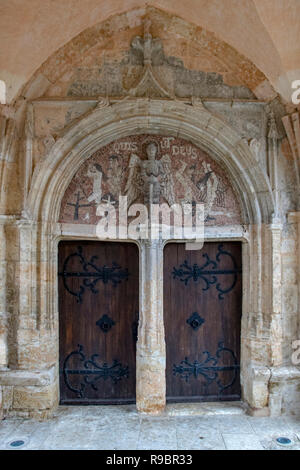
[202, 313]
[98, 305]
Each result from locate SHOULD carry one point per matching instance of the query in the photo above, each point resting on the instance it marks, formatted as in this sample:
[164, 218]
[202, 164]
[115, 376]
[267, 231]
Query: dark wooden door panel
[98, 304]
[202, 312]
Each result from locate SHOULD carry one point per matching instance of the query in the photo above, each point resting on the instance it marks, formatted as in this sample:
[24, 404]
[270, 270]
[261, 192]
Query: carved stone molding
[198, 103]
[100, 127]
[8, 138]
[8, 166]
[292, 128]
[102, 102]
[273, 164]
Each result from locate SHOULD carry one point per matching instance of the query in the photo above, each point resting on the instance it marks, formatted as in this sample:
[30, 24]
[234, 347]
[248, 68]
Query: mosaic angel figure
[152, 178]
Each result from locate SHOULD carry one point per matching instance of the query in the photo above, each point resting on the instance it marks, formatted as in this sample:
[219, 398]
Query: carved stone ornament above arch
[124, 54]
[193, 124]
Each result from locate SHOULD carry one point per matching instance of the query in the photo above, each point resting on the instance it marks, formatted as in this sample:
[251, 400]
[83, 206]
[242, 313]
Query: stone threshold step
[206, 409]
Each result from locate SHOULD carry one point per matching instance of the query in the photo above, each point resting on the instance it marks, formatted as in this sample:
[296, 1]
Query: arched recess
[102, 125]
[39, 232]
[53, 175]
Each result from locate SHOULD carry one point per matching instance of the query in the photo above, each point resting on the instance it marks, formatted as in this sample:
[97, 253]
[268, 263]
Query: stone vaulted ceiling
[265, 32]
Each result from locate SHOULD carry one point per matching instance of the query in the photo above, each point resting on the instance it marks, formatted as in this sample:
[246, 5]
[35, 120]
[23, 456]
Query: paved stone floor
[121, 428]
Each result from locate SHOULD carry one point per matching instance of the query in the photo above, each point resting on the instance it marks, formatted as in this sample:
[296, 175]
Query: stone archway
[193, 123]
[185, 175]
[41, 231]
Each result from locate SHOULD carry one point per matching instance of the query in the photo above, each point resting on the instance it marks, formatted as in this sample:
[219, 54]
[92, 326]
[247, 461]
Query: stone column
[3, 312]
[262, 335]
[151, 351]
[294, 218]
[276, 333]
[285, 378]
[255, 372]
[29, 385]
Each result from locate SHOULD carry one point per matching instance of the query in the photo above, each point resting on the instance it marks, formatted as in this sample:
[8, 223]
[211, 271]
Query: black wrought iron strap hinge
[209, 272]
[210, 368]
[91, 371]
[91, 274]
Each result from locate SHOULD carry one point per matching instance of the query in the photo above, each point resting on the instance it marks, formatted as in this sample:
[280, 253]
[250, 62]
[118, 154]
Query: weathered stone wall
[185, 92]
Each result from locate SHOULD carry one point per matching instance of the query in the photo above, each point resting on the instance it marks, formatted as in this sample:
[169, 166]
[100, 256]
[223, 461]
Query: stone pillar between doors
[151, 350]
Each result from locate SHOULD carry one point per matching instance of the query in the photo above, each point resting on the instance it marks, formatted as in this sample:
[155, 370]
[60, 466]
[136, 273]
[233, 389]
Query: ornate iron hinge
[92, 372]
[209, 368]
[208, 272]
[91, 274]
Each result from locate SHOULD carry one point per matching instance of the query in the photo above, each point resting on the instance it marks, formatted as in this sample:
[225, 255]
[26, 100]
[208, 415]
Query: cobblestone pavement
[121, 427]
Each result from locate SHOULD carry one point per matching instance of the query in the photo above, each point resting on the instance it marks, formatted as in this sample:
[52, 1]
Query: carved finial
[273, 133]
[148, 48]
[148, 83]
[147, 25]
[146, 45]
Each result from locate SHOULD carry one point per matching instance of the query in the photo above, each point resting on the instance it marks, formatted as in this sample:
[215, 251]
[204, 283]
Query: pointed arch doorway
[51, 181]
